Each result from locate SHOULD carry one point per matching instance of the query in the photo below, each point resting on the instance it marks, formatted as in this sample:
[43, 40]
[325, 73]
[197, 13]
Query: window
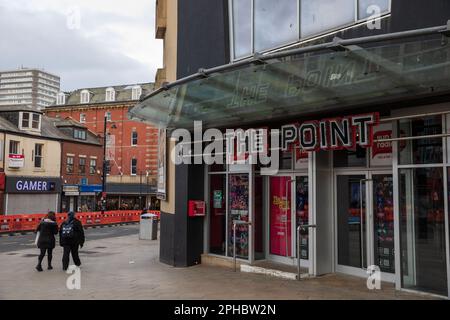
[14, 147]
[69, 165]
[61, 98]
[136, 93]
[79, 134]
[93, 166]
[261, 25]
[38, 155]
[319, 16]
[36, 122]
[108, 116]
[276, 23]
[110, 94]
[82, 166]
[134, 138]
[85, 96]
[25, 120]
[82, 117]
[133, 167]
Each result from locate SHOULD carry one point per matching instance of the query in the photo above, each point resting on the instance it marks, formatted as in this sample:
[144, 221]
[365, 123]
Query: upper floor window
[14, 147]
[29, 120]
[82, 166]
[69, 165]
[79, 134]
[38, 155]
[136, 92]
[61, 98]
[133, 167]
[110, 94]
[85, 96]
[108, 116]
[93, 166]
[261, 25]
[82, 117]
[134, 138]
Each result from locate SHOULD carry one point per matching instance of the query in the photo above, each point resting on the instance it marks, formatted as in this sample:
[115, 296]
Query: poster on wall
[381, 151]
[161, 192]
[217, 199]
[280, 216]
[239, 201]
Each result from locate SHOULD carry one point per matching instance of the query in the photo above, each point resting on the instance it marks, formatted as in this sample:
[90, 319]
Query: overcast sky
[88, 43]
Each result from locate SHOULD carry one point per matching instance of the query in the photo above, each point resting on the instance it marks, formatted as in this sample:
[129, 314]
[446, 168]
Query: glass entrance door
[365, 224]
[288, 209]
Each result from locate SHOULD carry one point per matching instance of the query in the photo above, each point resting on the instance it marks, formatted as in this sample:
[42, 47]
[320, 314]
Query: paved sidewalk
[128, 268]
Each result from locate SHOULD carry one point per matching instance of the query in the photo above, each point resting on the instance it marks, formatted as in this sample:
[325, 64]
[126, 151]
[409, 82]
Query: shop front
[25, 195]
[362, 182]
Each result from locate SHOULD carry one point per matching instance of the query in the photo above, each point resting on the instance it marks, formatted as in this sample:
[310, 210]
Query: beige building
[31, 162]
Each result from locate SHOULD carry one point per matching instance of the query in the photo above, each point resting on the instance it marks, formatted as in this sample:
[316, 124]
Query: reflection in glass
[422, 230]
[238, 210]
[320, 16]
[350, 158]
[276, 23]
[351, 221]
[420, 151]
[217, 211]
[383, 217]
[301, 213]
[364, 7]
[242, 27]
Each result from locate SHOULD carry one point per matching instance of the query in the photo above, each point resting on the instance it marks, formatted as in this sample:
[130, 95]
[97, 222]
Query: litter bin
[148, 227]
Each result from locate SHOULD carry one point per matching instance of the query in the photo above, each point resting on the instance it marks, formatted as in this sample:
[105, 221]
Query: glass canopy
[282, 88]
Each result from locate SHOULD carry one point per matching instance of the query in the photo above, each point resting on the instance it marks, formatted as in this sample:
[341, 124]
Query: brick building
[81, 166]
[131, 146]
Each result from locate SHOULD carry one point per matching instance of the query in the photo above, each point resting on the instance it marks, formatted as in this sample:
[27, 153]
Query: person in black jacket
[47, 229]
[71, 237]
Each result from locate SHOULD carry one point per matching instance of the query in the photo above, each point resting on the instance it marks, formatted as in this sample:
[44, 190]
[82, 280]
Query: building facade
[345, 196]
[131, 148]
[28, 87]
[31, 162]
[81, 167]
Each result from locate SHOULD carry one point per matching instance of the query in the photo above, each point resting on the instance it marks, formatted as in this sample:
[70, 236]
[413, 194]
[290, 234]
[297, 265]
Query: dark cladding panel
[166, 253]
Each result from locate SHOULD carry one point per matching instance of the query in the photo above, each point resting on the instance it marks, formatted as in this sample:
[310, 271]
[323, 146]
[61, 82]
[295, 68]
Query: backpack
[67, 231]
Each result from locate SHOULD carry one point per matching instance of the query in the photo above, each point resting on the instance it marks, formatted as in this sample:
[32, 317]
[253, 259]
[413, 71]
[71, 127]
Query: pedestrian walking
[71, 237]
[46, 231]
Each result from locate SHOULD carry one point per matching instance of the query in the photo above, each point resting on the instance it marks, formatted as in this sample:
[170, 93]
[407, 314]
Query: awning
[309, 80]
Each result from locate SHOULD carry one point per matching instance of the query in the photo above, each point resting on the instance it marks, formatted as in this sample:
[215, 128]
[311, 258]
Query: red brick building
[132, 147]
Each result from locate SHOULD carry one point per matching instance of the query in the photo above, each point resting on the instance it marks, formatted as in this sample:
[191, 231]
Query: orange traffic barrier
[29, 222]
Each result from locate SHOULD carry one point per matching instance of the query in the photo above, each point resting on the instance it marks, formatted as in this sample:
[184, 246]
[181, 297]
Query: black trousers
[70, 250]
[49, 256]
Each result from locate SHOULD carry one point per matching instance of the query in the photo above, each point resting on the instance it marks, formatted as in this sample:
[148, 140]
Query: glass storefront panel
[280, 216]
[259, 218]
[217, 211]
[422, 230]
[242, 28]
[383, 222]
[238, 202]
[351, 222]
[350, 158]
[420, 151]
[302, 213]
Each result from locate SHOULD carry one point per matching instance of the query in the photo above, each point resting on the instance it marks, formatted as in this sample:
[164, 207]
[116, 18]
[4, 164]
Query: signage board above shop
[32, 185]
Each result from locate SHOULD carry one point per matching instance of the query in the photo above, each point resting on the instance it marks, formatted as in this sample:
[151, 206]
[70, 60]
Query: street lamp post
[104, 168]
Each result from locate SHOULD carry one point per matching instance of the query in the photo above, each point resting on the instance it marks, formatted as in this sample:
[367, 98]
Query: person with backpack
[47, 229]
[71, 237]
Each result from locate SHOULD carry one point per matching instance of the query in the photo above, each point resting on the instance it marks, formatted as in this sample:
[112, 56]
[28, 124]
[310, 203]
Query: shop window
[38, 155]
[69, 165]
[420, 150]
[82, 166]
[133, 167]
[14, 147]
[302, 213]
[276, 23]
[217, 214]
[422, 230]
[93, 166]
[238, 210]
[350, 158]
